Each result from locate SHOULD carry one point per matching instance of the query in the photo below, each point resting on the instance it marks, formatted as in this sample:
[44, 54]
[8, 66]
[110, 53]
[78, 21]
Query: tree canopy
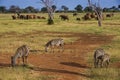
[31, 9]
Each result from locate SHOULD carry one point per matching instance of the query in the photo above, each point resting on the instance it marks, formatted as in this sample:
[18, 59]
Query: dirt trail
[68, 65]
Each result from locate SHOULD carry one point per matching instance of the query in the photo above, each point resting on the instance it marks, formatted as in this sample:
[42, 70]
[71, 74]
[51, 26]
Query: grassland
[13, 33]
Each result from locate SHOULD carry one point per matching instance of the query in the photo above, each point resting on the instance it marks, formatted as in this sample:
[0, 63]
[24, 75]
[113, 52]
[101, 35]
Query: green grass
[14, 73]
[22, 73]
[14, 33]
[105, 74]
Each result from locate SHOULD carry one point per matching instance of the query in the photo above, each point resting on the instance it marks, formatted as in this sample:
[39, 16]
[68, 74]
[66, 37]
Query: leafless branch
[98, 11]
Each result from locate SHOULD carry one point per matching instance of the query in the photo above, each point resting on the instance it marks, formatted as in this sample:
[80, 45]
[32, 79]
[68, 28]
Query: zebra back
[98, 53]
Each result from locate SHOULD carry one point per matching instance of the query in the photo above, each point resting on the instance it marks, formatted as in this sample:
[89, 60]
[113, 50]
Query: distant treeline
[31, 9]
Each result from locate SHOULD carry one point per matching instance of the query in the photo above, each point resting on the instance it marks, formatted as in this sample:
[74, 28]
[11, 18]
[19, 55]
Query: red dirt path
[68, 65]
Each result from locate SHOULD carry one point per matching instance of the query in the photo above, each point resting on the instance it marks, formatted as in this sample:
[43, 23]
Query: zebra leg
[107, 63]
[26, 61]
[94, 63]
[52, 49]
[97, 63]
[18, 60]
[23, 60]
[102, 63]
[61, 47]
[58, 48]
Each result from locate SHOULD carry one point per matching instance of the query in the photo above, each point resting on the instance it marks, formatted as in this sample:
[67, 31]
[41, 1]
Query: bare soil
[68, 65]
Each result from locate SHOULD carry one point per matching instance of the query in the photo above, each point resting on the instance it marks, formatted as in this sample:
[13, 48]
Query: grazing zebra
[21, 52]
[54, 42]
[97, 56]
[105, 60]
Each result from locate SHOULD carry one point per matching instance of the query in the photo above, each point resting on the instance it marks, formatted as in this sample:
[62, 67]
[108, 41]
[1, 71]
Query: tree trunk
[48, 5]
[99, 22]
[99, 16]
[98, 12]
[50, 19]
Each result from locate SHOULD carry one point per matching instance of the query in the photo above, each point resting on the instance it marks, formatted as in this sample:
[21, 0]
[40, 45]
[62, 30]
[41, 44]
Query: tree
[78, 8]
[48, 4]
[54, 8]
[106, 10]
[2, 9]
[118, 6]
[65, 8]
[88, 9]
[43, 9]
[114, 9]
[14, 9]
[29, 9]
[97, 10]
[36, 10]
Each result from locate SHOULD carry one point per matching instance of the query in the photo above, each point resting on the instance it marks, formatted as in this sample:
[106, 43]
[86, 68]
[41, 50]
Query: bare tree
[48, 4]
[97, 9]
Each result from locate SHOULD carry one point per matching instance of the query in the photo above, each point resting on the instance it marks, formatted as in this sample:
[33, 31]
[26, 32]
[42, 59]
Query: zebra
[105, 60]
[21, 52]
[54, 42]
[97, 56]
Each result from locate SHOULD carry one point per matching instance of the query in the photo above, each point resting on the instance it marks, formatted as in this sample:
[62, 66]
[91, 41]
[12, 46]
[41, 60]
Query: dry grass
[14, 33]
